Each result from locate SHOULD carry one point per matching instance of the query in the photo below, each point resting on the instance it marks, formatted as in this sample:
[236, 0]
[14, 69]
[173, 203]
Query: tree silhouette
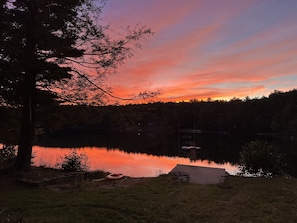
[59, 49]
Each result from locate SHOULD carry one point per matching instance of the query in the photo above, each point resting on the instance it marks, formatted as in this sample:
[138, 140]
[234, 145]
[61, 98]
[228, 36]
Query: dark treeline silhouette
[275, 115]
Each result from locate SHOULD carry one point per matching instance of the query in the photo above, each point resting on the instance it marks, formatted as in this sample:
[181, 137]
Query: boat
[190, 147]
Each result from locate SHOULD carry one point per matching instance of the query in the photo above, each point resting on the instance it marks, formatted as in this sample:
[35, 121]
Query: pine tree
[59, 47]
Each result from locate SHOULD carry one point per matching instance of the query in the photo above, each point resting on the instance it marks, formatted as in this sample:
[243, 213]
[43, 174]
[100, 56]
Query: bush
[74, 162]
[7, 156]
[260, 158]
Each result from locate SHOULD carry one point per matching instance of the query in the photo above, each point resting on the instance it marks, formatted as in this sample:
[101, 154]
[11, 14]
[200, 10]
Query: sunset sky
[202, 49]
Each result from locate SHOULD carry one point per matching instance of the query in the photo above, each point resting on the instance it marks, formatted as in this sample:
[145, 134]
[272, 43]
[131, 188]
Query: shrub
[7, 155]
[260, 158]
[74, 162]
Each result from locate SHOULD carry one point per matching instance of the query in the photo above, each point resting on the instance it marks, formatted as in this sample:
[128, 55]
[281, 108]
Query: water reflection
[117, 161]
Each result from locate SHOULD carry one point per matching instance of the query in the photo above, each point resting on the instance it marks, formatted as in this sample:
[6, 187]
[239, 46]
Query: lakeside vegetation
[273, 115]
[159, 199]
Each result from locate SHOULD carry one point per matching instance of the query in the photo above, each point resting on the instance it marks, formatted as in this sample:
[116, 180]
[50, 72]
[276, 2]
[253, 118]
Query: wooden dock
[201, 175]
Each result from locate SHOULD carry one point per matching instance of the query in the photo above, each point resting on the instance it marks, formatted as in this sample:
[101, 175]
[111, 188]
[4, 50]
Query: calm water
[138, 154]
[148, 154]
[132, 164]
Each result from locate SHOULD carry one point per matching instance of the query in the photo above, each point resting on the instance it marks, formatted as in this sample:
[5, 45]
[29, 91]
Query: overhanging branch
[101, 89]
[143, 95]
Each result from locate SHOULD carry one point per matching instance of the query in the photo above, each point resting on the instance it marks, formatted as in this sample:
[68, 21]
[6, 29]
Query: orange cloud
[217, 49]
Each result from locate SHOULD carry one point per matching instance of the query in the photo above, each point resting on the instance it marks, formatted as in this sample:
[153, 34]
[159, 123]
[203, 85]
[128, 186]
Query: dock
[200, 175]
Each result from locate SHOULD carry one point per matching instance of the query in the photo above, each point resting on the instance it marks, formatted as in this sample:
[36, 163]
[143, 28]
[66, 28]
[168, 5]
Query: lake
[139, 154]
[133, 164]
[145, 153]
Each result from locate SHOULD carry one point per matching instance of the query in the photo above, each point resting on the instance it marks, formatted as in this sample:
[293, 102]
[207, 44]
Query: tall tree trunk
[27, 131]
[23, 161]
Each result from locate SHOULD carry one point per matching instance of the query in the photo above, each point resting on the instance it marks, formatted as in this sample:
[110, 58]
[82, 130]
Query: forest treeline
[273, 115]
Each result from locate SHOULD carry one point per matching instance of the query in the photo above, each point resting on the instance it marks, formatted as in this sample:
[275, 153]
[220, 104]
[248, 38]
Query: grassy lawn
[156, 200]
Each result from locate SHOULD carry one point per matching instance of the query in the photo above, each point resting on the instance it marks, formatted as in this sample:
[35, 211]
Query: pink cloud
[196, 52]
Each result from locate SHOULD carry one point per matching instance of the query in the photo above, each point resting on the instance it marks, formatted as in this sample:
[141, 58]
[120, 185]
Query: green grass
[158, 200]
